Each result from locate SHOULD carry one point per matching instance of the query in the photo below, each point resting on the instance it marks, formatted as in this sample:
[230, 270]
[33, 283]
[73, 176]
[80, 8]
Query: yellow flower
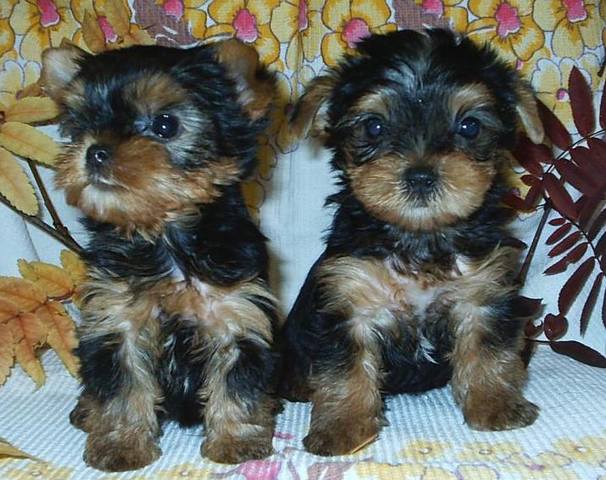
[508, 26]
[383, 471]
[477, 472]
[423, 450]
[7, 35]
[190, 11]
[545, 465]
[299, 24]
[35, 470]
[186, 471]
[575, 24]
[106, 25]
[14, 77]
[590, 450]
[349, 21]
[247, 20]
[485, 452]
[550, 81]
[456, 15]
[43, 24]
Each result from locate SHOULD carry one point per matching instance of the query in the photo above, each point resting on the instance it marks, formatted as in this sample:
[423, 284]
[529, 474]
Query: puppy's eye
[469, 128]
[165, 125]
[374, 127]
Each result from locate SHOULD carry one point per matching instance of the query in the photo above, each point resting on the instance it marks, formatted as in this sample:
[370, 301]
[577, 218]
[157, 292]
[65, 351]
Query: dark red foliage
[583, 182]
[565, 244]
[554, 129]
[581, 102]
[597, 154]
[603, 108]
[559, 196]
[583, 157]
[573, 285]
[597, 225]
[590, 303]
[558, 233]
[531, 330]
[555, 326]
[572, 257]
[557, 221]
[600, 248]
[579, 352]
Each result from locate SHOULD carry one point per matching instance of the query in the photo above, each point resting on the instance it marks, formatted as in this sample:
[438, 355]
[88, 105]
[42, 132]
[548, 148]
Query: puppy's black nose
[97, 157]
[420, 179]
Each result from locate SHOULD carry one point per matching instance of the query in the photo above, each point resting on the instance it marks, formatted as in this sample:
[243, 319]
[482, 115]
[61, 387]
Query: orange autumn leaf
[54, 281]
[74, 266]
[15, 186]
[26, 141]
[26, 295]
[61, 333]
[7, 310]
[28, 334]
[32, 109]
[8, 451]
[7, 353]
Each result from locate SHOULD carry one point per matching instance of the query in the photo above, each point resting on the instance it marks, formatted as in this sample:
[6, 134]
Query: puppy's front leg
[239, 412]
[118, 405]
[488, 372]
[347, 409]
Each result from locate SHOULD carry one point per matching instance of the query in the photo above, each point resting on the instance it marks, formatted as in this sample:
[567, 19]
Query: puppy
[177, 318]
[415, 287]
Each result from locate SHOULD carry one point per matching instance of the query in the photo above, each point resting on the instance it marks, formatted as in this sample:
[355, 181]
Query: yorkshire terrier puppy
[416, 285]
[177, 318]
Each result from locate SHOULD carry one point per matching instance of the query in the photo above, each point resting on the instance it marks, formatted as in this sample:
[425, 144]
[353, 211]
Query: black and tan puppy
[178, 322]
[415, 287]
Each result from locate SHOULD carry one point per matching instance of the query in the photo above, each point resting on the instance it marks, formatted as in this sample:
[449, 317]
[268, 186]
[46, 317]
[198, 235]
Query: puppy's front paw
[113, 453]
[505, 415]
[229, 449]
[337, 439]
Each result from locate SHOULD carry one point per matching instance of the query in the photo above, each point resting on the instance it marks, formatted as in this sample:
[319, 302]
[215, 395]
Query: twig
[48, 203]
[68, 241]
[533, 246]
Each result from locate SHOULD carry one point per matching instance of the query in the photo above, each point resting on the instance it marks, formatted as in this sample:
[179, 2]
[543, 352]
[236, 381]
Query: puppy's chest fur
[173, 303]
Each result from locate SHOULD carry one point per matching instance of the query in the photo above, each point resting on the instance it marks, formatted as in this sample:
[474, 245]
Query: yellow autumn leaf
[92, 33]
[74, 266]
[118, 16]
[7, 310]
[7, 353]
[15, 186]
[26, 141]
[53, 280]
[26, 295]
[31, 109]
[61, 333]
[29, 333]
[8, 451]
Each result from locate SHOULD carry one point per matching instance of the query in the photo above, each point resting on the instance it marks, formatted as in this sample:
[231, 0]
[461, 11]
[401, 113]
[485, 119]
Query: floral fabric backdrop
[544, 39]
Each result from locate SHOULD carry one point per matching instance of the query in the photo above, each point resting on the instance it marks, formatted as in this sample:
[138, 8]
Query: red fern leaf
[603, 108]
[571, 257]
[597, 224]
[554, 128]
[577, 177]
[565, 244]
[573, 285]
[557, 221]
[597, 154]
[581, 102]
[561, 199]
[558, 234]
[590, 303]
[579, 352]
[555, 326]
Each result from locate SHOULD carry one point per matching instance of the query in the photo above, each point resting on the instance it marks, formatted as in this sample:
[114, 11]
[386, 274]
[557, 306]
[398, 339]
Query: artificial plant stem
[533, 246]
[69, 242]
[48, 203]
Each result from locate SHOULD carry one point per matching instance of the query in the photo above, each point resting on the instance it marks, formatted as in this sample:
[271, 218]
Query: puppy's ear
[59, 67]
[529, 113]
[256, 86]
[310, 113]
